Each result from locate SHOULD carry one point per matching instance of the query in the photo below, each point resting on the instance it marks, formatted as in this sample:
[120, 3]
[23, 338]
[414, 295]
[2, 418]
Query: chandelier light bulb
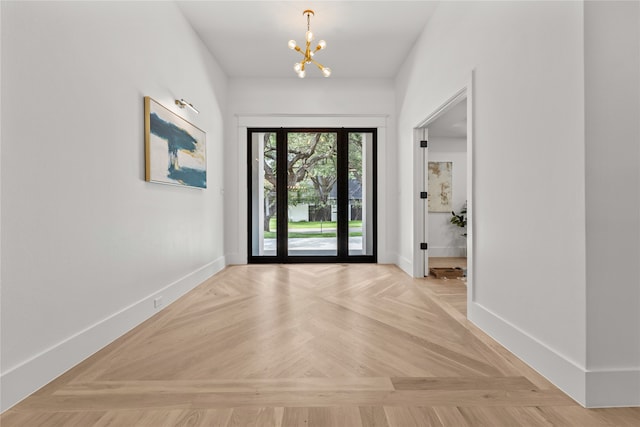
[301, 74]
[297, 67]
[309, 36]
[322, 44]
[292, 44]
[326, 71]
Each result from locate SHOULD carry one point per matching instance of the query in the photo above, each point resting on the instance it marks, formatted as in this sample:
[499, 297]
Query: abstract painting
[175, 150]
[440, 186]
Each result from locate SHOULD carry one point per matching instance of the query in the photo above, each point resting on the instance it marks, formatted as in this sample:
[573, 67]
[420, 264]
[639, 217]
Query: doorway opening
[444, 178]
[312, 195]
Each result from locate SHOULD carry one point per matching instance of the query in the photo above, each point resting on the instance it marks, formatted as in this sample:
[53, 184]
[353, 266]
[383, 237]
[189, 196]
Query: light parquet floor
[308, 345]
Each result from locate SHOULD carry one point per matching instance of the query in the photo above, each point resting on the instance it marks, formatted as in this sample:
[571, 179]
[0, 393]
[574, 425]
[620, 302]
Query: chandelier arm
[319, 65]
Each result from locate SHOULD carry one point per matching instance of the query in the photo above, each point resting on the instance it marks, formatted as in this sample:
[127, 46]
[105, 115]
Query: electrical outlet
[158, 303]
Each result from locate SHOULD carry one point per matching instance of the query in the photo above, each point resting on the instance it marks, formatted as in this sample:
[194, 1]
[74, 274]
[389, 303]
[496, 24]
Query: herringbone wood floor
[308, 345]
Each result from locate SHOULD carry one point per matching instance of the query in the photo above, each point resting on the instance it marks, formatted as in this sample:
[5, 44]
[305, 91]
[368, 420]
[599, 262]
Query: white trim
[471, 294]
[21, 380]
[590, 388]
[236, 259]
[444, 107]
[419, 205]
[613, 388]
[288, 115]
[418, 265]
[447, 251]
[405, 265]
[382, 178]
[564, 373]
[315, 120]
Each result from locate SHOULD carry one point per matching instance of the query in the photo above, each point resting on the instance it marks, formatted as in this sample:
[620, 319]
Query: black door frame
[282, 255]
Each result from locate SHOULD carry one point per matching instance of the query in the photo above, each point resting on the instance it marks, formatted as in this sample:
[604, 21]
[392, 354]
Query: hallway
[308, 345]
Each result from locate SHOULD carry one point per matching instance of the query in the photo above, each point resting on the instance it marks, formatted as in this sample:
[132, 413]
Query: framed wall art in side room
[440, 186]
[175, 150]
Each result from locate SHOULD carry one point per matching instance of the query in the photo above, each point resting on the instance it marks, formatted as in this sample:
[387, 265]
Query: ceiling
[365, 39]
[452, 123]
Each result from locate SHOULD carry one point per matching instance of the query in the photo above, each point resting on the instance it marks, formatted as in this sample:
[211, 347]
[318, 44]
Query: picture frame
[175, 149]
[440, 186]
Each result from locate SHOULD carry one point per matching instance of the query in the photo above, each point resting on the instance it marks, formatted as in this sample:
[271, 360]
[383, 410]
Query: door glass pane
[263, 193]
[312, 193]
[360, 193]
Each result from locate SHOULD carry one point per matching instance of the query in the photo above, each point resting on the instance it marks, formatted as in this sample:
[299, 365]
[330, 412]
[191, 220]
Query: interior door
[424, 145]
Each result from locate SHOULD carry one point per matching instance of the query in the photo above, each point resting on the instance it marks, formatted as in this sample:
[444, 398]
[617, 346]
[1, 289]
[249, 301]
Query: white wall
[445, 239]
[86, 243]
[310, 102]
[527, 59]
[556, 195]
[1, 67]
[612, 77]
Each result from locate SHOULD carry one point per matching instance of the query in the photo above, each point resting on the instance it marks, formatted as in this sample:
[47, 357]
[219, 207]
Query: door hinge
[424, 246]
[424, 195]
[424, 144]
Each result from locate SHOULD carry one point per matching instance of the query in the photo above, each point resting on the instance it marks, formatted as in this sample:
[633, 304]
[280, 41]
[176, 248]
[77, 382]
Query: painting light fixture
[182, 103]
[299, 67]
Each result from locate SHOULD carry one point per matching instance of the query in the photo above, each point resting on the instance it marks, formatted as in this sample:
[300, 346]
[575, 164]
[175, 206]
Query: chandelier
[299, 67]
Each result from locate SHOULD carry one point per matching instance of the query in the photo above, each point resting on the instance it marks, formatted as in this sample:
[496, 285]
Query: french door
[312, 195]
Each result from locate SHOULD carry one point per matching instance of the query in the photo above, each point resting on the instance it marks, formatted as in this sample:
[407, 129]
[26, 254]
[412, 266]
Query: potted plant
[460, 219]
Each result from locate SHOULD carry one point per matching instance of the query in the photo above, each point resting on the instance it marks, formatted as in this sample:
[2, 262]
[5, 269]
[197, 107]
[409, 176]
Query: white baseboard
[565, 374]
[405, 265]
[236, 259]
[385, 257]
[613, 388]
[446, 251]
[27, 377]
[590, 388]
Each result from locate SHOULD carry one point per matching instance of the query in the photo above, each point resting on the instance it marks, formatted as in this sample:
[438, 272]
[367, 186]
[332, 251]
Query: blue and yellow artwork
[175, 149]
